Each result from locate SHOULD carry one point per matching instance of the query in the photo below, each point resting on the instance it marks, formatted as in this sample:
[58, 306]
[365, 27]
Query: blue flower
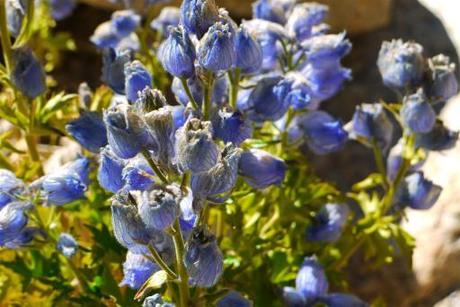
[401, 64]
[177, 53]
[438, 139]
[125, 22]
[85, 95]
[329, 223]
[63, 187]
[269, 10]
[342, 300]
[67, 245]
[138, 175]
[326, 50]
[113, 69]
[159, 207]
[418, 192]
[203, 259]
[79, 166]
[323, 134]
[293, 298]
[103, 36]
[303, 18]
[295, 90]
[311, 281]
[110, 170]
[187, 213]
[125, 131]
[178, 114]
[263, 103]
[25, 237]
[156, 301]
[149, 100]
[137, 78]
[231, 126]
[260, 169]
[128, 228]
[27, 74]
[89, 130]
[61, 9]
[443, 81]
[417, 113]
[195, 148]
[249, 54]
[137, 269]
[216, 50]
[13, 221]
[168, 17]
[219, 95]
[371, 123]
[233, 299]
[15, 13]
[221, 178]
[198, 16]
[10, 187]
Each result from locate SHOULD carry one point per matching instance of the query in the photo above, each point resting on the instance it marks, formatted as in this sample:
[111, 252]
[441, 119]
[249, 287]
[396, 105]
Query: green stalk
[181, 270]
[5, 37]
[234, 86]
[207, 97]
[153, 165]
[189, 93]
[378, 157]
[158, 260]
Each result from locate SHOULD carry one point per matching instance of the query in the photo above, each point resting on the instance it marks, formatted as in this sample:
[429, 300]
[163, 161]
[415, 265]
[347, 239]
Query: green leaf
[371, 181]
[156, 281]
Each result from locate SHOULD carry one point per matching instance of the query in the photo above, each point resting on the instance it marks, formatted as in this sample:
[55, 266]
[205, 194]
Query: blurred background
[435, 24]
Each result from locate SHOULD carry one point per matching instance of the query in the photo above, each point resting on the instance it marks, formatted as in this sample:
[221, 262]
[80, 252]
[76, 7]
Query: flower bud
[249, 55]
[110, 170]
[401, 64]
[342, 300]
[27, 74]
[233, 299]
[417, 113]
[329, 223]
[156, 301]
[442, 84]
[269, 10]
[216, 50]
[203, 259]
[198, 15]
[168, 17]
[195, 149]
[137, 78]
[67, 245]
[113, 69]
[260, 169]
[25, 237]
[13, 220]
[177, 53]
[10, 187]
[15, 13]
[159, 207]
[125, 22]
[149, 100]
[138, 175]
[137, 269]
[418, 192]
[326, 50]
[303, 18]
[311, 281]
[61, 9]
[231, 126]
[439, 138]
[103, 37]
[219, 179]
[89, 130]
[295, 90]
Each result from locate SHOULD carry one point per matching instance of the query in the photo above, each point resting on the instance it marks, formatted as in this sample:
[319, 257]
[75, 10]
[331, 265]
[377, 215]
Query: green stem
[181, 270]
[344, 259]
[207, 96]
[5, 37]
[153, 165]
[234, 86]
[378, 157]
[188, 92]
[158, 260]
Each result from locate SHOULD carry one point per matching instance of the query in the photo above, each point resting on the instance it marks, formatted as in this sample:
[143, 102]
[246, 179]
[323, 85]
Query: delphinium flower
[61, 9]
[67, 245]
[113, 69]
[249, 54]
[417, 114]
[231, 126]
[329, 223]
[10, 187]
[216, 50]
[110, 171]
[168, 17]
[440, 138]
[442, 82]
[137, 175]
[233, 299]
[89, 130]
[136, 270]
[27, 74]
[137, 78]
[124, 22]
[156, 301]
[260, 169]
[418, 192]
[219, 92]
[198, 16]
[13, 221]
[15, 13]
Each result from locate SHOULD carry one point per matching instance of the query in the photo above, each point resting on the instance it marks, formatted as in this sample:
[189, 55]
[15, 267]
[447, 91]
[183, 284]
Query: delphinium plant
[193, 187]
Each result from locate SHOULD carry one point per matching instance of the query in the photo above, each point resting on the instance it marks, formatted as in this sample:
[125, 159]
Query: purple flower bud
[125, 22]
[231, 126]
[113, 69]
[439, 138]
[269, 10]
[295, 90]
[103, 36]
[324, 51]
[219, 95]
[13, 220]
[110, 169]
[216, 50]
[156, 301]
[168, 17]
[137, 78]
[302, 19]
[260, 169]
[329, 223]
[198, 16]
[293, 298]
[187, 216]
[195, 149]
[370, 122]
[233, 299]
[417, 113]
[342, 300]
[125, 131]
[67, 245]
[15, 13]
[177, 53]
[26, 236]
[159, 207]
[129, 43]
[149, 100]
[323, 134]
[219, 179]
[249, 55]
[401, 64]
[203, 259]
[137, 270]
[10, 187]
[89, 130]
[178, 114]
[61, 9]
[138, 175]
[27, 74]
[418, 192]
[442, 84]
[311, 281]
